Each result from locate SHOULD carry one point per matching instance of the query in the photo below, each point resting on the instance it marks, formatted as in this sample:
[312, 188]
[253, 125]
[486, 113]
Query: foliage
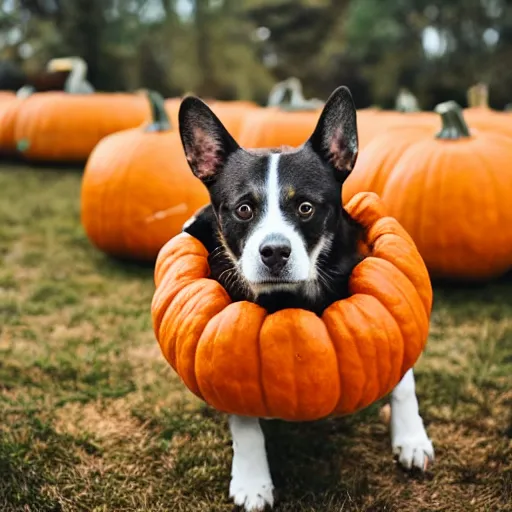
[236, 49]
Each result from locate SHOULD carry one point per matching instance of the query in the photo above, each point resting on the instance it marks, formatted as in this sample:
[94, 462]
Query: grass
[93, 419]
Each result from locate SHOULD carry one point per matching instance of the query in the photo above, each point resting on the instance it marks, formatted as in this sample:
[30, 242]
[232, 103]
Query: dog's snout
[274, 252]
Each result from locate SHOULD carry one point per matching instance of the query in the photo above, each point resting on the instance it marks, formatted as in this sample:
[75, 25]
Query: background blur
[237, 49]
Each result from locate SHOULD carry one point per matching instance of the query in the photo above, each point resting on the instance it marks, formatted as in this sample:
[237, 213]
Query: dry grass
[93, 419]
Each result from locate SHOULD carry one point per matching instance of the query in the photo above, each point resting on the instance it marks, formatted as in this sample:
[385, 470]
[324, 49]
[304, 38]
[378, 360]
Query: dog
[277, 235]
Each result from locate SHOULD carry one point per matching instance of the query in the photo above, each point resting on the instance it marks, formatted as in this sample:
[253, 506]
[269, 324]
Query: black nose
[275, 251]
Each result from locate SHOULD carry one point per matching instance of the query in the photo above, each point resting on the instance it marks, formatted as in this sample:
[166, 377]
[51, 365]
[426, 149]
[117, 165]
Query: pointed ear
[335, 135]
[207, 144]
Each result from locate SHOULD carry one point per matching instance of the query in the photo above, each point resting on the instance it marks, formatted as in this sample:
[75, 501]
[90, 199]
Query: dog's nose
[274, 252]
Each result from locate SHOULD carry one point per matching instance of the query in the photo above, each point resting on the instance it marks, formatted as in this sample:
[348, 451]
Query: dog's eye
[306, 210]
[244, 212]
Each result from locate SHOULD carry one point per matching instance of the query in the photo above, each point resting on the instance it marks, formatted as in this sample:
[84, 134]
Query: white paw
[414, 451]
[253, 495]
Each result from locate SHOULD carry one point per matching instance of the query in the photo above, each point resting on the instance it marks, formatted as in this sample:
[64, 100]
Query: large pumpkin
[137, 189]
[379, 157]
[6, 96]
[480, 115]
[57, 126]
[293, 364]
[371, 124]
[282, 122]
[452, 194]
[231, 113]
[8, 111]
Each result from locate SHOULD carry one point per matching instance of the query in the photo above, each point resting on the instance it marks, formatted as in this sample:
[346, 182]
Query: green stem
[454, 126]
[159, 118]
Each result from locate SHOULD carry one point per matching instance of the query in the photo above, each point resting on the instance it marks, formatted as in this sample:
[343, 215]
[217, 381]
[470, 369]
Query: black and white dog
[278, 236]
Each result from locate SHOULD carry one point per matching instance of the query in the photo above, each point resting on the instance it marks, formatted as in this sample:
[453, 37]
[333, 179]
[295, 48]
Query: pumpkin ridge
[171, 311]
[195, 300]
[347, 344]
[416, 277]
[365, 208]
[260, 377]
[383, 379]
[175, 310]
[175, 249]
[365, 391]
[417, 322]
[211, 346]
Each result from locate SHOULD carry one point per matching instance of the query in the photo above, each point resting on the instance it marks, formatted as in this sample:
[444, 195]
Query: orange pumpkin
[137, 189]
[293, 364]
[233, 114]
[479, 115]
[452, 193]
[281, 123]
[57, 126]
[371, 124]
[379, 158]
[8, 112]
[6, 96]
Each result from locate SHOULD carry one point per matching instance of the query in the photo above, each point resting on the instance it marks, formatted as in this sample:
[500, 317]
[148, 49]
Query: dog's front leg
[251, 483]
[408, 436]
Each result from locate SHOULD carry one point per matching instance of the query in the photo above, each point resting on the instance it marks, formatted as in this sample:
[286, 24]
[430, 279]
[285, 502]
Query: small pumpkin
[58, 126]
[452, 192]
[137, 189]
[293, 364]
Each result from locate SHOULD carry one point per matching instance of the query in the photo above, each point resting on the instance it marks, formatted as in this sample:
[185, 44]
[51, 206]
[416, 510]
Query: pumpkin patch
[293, 364]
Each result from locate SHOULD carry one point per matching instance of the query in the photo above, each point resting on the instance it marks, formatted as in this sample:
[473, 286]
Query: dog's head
[277, 211]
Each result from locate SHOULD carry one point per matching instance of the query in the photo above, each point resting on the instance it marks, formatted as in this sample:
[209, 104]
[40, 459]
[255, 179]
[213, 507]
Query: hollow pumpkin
[137, 189]
[452, 193]
[293, 364]
[57, 126]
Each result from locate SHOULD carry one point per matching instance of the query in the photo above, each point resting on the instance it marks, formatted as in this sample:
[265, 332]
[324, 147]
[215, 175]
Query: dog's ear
[206, 142]
[335, 135]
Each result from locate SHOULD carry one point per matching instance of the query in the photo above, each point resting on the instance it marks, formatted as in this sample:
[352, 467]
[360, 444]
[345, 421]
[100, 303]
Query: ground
[93, 419]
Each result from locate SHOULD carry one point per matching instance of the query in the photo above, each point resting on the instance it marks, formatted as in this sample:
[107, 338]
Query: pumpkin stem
[406, 101]
[160, 119]
[453, 124]
[478, 96]
[291, 88]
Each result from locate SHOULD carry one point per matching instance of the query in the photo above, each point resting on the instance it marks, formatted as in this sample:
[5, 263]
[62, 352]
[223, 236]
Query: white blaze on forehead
[273, 191]
[273, 222]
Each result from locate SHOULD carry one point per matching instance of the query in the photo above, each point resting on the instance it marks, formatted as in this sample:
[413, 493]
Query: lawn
[93, 419]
